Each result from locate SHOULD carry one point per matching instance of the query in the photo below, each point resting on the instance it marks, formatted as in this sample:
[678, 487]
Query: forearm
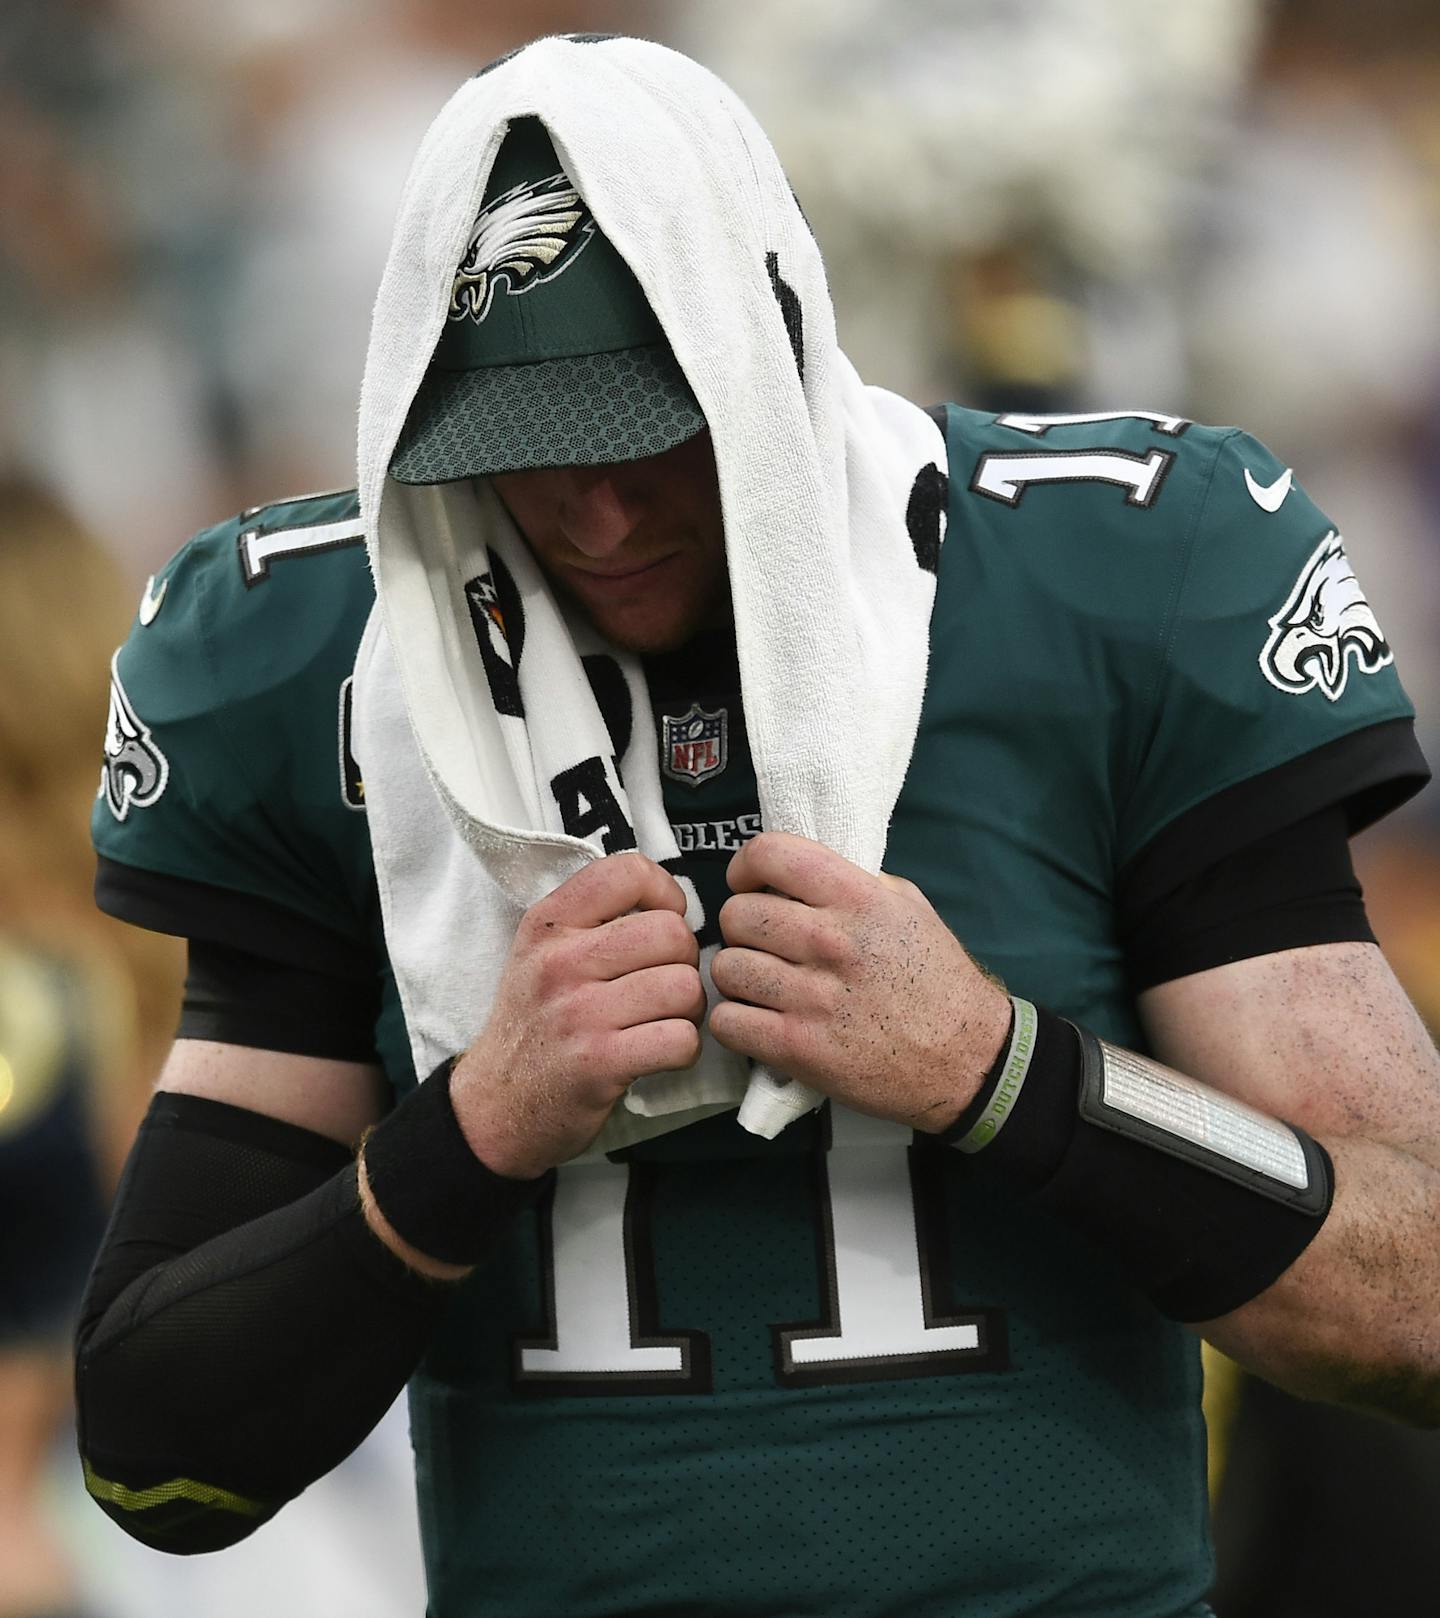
[1356, 1318]
[221, 1370]
[1326, 1038]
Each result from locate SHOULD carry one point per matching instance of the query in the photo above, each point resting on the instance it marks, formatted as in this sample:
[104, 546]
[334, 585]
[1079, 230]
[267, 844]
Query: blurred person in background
[189, 199]
[87, 1008]
[329, 98]
[1025, 260]
[83, 1005]
[120, 206]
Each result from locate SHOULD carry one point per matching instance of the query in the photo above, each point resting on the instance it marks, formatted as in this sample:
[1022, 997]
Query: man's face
[639, 545]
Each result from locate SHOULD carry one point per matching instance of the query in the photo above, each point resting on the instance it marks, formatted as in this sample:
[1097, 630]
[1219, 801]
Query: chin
[648, 634]
[648, 640]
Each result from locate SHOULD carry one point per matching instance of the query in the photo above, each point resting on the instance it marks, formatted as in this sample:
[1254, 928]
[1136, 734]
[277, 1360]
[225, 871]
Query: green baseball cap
[550, 355]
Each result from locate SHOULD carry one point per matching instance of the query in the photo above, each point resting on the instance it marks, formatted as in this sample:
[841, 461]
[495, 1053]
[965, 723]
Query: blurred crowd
[1229, 210]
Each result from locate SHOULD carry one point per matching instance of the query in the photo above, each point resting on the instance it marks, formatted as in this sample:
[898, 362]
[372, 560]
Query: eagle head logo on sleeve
[135, 770]
[531, 234]
[1325, 623]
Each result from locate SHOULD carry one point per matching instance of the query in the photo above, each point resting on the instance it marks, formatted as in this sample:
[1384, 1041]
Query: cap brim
[583, 410]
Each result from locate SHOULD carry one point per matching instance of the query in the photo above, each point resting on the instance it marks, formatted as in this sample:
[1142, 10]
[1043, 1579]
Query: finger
[633, 942]
[655, 1047]
[606, 889]
[764, 980]
[779, 926]
[655, 994]
[792, 865]
[753, 1031]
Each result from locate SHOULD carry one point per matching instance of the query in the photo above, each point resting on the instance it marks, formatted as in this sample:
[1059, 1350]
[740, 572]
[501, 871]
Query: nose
[597, 512]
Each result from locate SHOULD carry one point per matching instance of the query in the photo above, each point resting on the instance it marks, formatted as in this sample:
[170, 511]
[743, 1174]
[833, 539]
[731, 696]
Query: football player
[932, 1348]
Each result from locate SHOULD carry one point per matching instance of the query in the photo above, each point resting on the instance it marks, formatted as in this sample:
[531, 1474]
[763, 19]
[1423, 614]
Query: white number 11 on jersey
[881, 1259]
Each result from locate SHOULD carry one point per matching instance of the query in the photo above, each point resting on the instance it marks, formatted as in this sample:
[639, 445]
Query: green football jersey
[834, 1373]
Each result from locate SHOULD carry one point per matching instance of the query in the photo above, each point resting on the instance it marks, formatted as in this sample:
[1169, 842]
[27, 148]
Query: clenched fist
[852, 984]
[601, 986]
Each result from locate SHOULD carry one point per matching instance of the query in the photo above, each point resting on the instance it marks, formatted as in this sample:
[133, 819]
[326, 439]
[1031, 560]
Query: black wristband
[436, 1194]
[1203, 1201]
[1014, 1119]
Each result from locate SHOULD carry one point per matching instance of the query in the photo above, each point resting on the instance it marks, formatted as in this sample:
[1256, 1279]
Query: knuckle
[826, 992]
[675, 936]
[565, 1018]
[628, 862]
[593, 1057]
[537, 923]
[796, 1044]
[682, 990]
[678, 1044]
[553, 972]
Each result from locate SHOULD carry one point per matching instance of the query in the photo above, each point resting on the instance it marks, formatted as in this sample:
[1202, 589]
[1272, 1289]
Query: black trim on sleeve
[1294, 888]
[242, 999]
[173, 904]
[1370, 771]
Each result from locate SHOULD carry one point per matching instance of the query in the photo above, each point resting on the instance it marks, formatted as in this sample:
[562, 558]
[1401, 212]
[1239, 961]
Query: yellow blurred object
[32, 1037]
[1221, 1397]
[1012, 325]
[64, 607]
[1399, 868]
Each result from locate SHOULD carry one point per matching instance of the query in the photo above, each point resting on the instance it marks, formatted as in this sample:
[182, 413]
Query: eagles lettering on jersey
[894, 1387]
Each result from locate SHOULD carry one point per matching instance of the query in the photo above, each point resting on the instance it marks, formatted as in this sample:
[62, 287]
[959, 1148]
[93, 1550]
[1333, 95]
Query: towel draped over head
[491, 770]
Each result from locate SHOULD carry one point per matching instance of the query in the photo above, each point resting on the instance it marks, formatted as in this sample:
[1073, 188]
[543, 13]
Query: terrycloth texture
[817, 478]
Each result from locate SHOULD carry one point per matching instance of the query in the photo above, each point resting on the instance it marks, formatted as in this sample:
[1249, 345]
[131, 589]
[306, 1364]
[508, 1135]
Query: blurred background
[1228, 210]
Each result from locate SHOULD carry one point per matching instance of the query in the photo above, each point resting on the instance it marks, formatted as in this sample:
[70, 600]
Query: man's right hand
[601, 986]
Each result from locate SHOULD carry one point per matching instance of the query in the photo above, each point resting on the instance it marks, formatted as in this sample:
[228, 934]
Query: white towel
[821, 479]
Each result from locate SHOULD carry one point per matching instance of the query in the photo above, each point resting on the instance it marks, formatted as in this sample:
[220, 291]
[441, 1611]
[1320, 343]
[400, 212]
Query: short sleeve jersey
[834, 1373]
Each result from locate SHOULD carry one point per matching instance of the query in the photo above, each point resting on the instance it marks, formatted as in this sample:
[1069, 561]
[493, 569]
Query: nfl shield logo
[693, 746]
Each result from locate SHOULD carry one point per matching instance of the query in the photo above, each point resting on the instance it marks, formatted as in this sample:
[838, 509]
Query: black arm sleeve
[1264, 865]
[1295, 887]
[259, 974]
[243, 1330]
[240, 997]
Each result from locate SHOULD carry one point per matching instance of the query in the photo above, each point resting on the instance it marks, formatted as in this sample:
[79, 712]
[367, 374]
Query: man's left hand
[852, 984]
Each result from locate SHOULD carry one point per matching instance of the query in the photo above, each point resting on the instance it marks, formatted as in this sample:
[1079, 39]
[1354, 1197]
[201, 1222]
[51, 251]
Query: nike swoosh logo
[151, 601]
[1269, 496]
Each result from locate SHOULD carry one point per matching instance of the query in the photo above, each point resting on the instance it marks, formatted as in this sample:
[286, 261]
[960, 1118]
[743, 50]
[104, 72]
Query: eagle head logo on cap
[580, 374]
[527, 236]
